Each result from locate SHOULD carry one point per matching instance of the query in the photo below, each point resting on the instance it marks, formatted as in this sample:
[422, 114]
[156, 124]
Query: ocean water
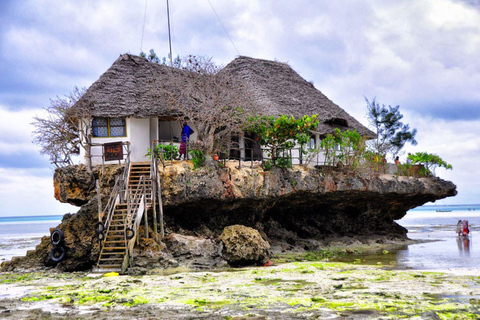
[445, 250]
[20, 234]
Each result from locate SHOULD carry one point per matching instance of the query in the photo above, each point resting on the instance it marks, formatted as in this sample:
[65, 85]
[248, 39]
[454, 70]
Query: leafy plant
[430, 162]
[198, 158]
[169, 151]
[281, 134]
[347, 147]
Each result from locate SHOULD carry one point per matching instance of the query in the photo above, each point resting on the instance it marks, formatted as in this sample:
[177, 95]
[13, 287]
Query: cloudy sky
[423, 55]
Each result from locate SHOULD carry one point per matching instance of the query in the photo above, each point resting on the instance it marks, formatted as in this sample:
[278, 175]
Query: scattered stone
[430, 315]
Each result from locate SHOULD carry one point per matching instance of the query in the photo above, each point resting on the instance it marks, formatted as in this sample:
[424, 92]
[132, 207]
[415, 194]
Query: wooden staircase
[138, 169]
[115, 244]
[114, 251]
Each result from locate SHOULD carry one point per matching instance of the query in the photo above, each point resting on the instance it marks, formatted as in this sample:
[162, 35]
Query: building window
[109, 127]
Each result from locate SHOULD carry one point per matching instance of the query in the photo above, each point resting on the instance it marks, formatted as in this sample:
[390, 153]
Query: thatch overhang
[278, 89]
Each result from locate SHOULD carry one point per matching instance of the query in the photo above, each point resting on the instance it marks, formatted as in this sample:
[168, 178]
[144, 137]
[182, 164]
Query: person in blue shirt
[186, 133]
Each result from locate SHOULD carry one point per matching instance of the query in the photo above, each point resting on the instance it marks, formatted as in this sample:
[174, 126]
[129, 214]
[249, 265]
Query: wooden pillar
[99, 200]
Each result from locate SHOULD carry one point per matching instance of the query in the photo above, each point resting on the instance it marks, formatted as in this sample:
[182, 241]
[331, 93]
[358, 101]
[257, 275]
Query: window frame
[109, 133]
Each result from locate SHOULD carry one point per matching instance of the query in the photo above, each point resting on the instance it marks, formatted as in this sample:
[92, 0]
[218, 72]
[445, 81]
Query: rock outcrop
[292, 204]
[74, 185]
[243, 246]
[289, 207]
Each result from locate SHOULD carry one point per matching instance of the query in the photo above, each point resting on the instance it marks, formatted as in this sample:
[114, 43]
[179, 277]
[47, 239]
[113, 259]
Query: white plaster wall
[139, 134]
[139, 139]
[153, 129]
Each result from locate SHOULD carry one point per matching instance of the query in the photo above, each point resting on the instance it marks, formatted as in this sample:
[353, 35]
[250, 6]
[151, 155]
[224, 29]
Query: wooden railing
[157, 187]
[136, 207]
[116, 196]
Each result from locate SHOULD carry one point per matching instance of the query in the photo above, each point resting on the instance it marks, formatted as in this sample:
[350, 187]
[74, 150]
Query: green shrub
[198, 158]
[169, 151]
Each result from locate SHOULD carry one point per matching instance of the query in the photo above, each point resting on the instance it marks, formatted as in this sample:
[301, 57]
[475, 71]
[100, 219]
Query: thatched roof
[278, 89]
[132, 87]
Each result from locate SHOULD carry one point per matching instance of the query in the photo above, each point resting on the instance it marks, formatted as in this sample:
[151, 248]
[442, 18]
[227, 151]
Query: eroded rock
[243, 246]
[290, 207]
[195, 252]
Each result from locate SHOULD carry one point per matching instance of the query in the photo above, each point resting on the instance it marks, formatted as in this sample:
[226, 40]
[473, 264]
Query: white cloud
[16, 130]
[29, 192]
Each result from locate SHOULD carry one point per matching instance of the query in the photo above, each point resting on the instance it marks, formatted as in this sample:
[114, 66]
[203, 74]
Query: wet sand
[296, 290]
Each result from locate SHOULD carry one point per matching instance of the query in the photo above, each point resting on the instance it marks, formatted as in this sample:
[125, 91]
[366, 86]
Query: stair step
[116, 236]
[111, 259]
[115, 266]
[112, 253]
[118, 233]
[115, 241]
[114, 248]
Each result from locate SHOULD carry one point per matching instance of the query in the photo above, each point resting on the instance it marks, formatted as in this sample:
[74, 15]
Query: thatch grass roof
[278, 89]
[131, 87]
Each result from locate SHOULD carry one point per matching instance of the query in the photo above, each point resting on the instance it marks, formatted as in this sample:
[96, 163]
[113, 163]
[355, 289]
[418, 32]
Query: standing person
[465, 230]
[186, 133]
[459, 227]
[397, 160]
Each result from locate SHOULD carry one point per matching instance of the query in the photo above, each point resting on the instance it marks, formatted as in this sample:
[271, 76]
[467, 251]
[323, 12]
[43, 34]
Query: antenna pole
[169, 37]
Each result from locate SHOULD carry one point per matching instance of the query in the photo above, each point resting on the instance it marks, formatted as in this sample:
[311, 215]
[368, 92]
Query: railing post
[160, 205]
[153, 179]
[145, 209]
[103, 161]
[99, 201]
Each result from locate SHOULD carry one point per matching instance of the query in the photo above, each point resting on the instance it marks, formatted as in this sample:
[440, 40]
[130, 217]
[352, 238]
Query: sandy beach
[295, 290]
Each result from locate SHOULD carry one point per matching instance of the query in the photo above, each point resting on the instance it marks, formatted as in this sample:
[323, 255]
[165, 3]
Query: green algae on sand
[297, 289]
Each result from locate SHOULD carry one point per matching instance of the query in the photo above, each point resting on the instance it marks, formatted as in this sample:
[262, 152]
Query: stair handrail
[113, 199]
[125, 176]
[135, 210]
[156, 187]
[118, 192]
[133, 200]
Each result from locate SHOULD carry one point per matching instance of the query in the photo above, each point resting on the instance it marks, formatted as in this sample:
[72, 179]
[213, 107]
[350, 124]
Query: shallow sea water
[446, 250]
[20, 234]
[441, 248]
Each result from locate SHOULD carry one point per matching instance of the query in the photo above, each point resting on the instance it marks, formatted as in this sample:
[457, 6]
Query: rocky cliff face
[289, 207]
[293, 204]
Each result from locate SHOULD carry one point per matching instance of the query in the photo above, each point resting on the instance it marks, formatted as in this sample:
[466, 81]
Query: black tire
[99, 227]
[129, 233]
[57, 254]
[57, 237]
[101, 236]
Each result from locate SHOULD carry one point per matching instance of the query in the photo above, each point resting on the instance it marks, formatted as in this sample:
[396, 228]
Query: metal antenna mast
[169, 37]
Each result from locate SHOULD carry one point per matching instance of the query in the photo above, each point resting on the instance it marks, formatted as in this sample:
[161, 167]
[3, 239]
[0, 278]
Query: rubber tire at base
[60, 250]
[99, 227]
[57, 237]
[129, 233]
